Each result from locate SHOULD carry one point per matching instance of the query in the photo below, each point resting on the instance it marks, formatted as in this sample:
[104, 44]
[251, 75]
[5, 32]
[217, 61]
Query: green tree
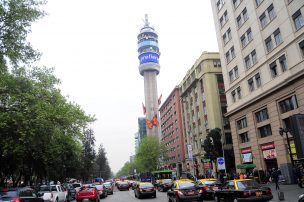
[16, 17]
[213, 145]
[149, 155]
[102, 168]
[127, 169]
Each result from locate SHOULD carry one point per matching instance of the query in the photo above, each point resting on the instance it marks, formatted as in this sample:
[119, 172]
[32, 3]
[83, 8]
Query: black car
[123, 186]
[243, 190]
[165, 184]
[184, 190]
[208, 187]
[144, 189]
[24, 194]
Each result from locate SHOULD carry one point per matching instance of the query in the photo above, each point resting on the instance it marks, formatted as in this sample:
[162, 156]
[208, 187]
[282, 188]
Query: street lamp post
[283, 131]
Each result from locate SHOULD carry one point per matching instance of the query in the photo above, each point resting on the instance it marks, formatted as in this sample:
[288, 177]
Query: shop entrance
[271, 163]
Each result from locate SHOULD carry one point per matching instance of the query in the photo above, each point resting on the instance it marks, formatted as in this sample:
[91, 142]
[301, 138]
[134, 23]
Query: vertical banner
[189, 146]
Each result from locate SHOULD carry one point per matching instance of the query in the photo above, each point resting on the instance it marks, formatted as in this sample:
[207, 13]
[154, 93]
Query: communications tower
[148, 52]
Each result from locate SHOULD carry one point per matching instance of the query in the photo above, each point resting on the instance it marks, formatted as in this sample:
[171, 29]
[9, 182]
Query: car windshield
[8, 194]
[76, 185]
[211, 182]
[87, 189]
[44, 188]
[247, 184]
[184, 185]
[53, 188]
[168, 181]
[146, 186]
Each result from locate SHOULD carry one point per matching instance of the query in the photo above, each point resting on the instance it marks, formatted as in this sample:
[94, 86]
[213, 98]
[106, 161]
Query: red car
[87, 192]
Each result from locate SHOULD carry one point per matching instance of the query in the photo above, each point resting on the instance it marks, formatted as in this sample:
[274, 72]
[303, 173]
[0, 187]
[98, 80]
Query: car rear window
[107, 185]
[146, 186]
[184, 185]
[53, 188]
[209, 182]
[167, 181]
[44, 188]
[76, 185]
[247, 184]
[87, 189]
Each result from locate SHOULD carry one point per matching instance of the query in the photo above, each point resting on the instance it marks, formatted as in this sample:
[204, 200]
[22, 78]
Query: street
[291, 195]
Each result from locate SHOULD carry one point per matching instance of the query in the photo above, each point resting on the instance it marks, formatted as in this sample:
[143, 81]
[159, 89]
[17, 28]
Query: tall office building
[204, 104]
[149, 68]
[261, 45]
[172, 131]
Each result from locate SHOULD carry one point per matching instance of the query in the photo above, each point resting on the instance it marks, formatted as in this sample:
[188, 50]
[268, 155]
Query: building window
[271, 12]
[254, 57]
[247, 62]
[217, 63]
[258, 80]
[288, 104]
[236, 3]
[230, 54]
[219, 4]
[298, 19]
[231, 77]
[249, 35]
[301, 45]
[243, 17]
[258, 2]
[251, 85]
[243, 41]
[265, 131]
[224, 19]
[228, 57]
[277, 37]
[242, 123]
[233, 96]
[268, 43]
[244, 137]
[263, 20]
[283, 63]
[273, 69]
[261, 115]
[236, 72]
[239, 93]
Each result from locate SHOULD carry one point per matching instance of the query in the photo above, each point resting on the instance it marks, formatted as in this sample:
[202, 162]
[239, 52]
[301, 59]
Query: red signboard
[267, 146]
[246, 150]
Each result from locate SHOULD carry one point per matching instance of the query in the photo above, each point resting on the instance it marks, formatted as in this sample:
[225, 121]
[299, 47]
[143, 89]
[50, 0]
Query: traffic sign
[221, 163]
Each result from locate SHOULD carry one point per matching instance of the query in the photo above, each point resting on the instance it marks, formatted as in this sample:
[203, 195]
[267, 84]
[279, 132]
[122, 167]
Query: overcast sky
[92, 45]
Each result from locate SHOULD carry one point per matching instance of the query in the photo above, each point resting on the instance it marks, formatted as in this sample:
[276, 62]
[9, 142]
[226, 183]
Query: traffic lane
[123, 196]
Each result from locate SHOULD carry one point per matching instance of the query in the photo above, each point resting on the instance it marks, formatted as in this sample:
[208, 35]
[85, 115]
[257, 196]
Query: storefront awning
[246, 166]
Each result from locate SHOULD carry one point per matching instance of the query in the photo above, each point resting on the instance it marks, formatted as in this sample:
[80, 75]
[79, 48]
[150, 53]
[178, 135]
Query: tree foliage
[16, 17]
[102, 167]
[213, 145]
[127, 169]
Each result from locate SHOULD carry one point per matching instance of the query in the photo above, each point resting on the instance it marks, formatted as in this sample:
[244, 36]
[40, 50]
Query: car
[208, 186]
[19, 195]
[184, 190]
[52, 193]
[243, 190]
[144, 189]
[164, 184]
[109, 187]
[87, 192]
[102, 190]
[123, 186]
[301, 198]
[77, 186]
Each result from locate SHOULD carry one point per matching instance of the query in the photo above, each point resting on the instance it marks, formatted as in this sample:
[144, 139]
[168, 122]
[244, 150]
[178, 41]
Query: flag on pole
[144, 108]
[159, 99]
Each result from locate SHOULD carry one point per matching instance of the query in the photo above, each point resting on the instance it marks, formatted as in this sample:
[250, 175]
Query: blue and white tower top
[148, 48]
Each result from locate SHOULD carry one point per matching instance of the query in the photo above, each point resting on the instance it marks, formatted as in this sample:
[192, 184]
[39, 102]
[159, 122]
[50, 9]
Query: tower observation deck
[148, 55]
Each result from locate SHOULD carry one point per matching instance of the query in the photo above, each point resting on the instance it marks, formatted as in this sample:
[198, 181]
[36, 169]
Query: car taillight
[16, 199]
[246, 194]
[206, 188]
[179, 192]
[268, 191]
[140, 190]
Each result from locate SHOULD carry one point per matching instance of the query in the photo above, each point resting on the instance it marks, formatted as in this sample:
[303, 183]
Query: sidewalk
[291, 192]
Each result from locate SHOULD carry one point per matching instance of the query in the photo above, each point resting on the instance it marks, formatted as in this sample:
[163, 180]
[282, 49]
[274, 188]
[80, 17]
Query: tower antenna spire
[146, 20]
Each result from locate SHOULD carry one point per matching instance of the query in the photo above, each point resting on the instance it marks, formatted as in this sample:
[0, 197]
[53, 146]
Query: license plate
[190, 192]
[258, 193]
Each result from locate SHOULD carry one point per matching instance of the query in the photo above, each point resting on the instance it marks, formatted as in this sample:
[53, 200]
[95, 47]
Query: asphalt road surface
[128, 196]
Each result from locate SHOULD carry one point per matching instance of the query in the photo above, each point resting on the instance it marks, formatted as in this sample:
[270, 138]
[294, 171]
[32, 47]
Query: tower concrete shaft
[149, 68]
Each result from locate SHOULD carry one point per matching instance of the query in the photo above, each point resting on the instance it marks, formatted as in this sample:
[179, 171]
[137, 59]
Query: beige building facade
[261, 45]
[204, 104]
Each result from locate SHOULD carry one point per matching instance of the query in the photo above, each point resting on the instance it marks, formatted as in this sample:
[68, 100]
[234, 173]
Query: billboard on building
[297, 127]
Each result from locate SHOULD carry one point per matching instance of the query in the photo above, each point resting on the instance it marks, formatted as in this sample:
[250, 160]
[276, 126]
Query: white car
[52, 193]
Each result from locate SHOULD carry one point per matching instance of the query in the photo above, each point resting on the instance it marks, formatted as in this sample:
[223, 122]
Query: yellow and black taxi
[208, 187]
[244, 190]
[164, 184]
[184, 190]
[144, 189]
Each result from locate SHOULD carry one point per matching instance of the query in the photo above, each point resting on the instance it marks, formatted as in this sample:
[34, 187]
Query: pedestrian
[275, 178]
